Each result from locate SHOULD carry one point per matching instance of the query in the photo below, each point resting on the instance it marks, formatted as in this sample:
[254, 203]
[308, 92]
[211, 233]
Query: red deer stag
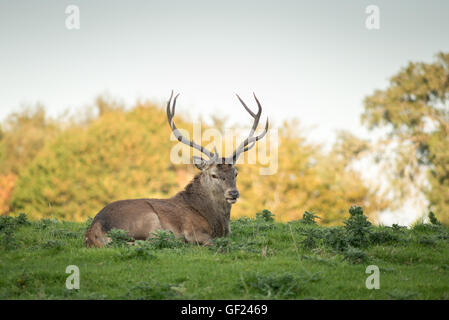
[197, 214]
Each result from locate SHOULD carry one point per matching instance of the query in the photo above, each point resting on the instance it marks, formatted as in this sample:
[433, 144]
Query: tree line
[69, 168]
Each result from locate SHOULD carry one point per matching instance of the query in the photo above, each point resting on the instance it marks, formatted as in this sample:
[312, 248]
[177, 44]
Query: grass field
[262, 259]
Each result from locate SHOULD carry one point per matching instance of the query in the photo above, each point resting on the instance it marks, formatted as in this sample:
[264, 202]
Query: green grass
[262, 259]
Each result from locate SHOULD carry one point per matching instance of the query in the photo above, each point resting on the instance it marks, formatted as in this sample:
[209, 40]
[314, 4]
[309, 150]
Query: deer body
[193, 214]
[198, 214]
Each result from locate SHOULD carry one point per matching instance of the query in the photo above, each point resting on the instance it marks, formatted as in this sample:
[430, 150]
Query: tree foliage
[126, 154]
[120, 155]
[307, 179]
[414, 111]
[22, 135]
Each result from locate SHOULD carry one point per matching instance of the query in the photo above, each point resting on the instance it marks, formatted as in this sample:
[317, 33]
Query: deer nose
[233, 193]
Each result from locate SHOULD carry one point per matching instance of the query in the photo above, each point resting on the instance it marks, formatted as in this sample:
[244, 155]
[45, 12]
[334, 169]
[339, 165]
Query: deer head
[219, 174]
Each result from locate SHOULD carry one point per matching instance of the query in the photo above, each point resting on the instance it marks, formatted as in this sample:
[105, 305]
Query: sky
[310, 60]
[314, 61]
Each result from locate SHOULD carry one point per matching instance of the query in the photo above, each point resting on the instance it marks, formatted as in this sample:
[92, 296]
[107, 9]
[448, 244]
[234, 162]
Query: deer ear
[200, 163]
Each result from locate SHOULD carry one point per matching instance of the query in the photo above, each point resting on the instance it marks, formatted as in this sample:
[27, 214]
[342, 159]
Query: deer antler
[170, 114]
[249, 142]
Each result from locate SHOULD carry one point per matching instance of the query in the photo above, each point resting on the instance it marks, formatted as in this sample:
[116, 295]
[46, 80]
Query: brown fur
[197, 214]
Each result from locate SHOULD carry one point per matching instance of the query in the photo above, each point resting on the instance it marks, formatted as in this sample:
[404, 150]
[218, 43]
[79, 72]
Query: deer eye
[214, 176]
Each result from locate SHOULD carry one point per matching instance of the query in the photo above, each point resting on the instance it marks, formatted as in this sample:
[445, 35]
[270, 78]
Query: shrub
[161, 239]
[308, 218]
[119, 238]
[336, 238]
[7, 239]
[22, 219]
[312, 238]
[8, 226]
[6, 222]
[357, 227]
[383, 235]
[265, 215]
[433, 219]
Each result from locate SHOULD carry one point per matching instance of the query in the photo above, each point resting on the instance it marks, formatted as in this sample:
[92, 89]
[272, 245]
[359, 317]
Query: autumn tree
[414, 112]
[127, 154]
[119, 155]
[307, 178]
[23, 134]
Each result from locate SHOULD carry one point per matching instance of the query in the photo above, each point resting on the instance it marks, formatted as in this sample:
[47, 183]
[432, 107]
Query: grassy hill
[262, 259]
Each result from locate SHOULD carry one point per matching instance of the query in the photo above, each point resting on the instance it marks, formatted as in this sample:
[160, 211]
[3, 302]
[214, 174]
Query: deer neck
[213, 207]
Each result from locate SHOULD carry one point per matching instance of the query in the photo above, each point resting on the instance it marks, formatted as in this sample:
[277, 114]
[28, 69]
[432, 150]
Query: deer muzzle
[232, 195]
